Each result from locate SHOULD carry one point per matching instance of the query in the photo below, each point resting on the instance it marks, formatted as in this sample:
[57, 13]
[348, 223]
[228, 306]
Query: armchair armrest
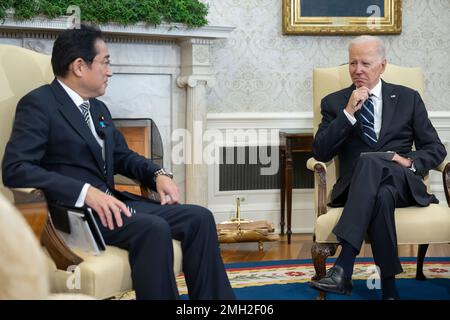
[32, 204]
[312, 163]
[444, 167]
[320, 176]
[27, 195]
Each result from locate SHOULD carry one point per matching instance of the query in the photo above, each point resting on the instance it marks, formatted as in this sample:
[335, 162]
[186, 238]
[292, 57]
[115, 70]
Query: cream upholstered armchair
[102, 276]
[23, 272]
[414, 225]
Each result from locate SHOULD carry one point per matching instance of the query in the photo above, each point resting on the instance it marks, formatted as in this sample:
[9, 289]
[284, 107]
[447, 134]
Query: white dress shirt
[78, 100]
[377, 100]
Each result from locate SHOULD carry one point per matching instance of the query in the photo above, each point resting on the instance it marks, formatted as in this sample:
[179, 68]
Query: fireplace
[159, 73]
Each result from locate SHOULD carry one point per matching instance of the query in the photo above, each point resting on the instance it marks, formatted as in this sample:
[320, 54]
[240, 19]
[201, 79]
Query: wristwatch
[164, 172]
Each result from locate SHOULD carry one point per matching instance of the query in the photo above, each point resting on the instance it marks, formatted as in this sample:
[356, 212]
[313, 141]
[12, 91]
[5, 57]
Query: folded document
[77, 227]
[387, 155]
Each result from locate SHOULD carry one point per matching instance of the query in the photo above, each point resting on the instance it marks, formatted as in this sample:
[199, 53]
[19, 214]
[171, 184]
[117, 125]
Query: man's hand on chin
[167, 189]
[357, 99]
[106, 207]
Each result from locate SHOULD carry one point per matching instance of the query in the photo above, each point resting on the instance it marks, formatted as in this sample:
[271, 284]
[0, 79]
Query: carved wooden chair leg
[320, 252]
[260, 246]
[421, 252]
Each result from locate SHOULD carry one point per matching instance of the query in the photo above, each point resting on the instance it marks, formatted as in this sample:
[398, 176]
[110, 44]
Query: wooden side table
[290, 142]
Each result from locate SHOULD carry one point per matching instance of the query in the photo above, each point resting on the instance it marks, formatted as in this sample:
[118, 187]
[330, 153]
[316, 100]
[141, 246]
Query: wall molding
[289, 120]
[261, 120]
[116, 32]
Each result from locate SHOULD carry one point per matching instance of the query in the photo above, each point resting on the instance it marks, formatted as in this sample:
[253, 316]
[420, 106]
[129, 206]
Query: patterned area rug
[288, 280]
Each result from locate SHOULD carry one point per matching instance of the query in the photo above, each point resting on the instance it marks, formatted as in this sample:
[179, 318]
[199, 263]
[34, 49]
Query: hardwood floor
[300, 248]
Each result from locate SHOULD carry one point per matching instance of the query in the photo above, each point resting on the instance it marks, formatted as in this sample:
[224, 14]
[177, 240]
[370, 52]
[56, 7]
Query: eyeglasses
[105, 63]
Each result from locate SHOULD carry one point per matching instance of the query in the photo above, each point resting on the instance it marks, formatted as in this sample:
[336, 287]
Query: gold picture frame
[341, 17]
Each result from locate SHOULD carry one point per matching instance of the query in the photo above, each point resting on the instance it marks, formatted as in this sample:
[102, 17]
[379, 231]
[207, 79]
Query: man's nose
[358, 68]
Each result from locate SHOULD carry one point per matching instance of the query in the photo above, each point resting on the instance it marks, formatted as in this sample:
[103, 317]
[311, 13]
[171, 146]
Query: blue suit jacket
[404, 122]
[53, 149]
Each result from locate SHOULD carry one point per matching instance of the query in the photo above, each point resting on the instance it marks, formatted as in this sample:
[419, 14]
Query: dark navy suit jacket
[404, 122]
[52, 148]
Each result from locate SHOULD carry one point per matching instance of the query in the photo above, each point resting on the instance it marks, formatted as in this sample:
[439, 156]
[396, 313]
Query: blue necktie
[367, 118]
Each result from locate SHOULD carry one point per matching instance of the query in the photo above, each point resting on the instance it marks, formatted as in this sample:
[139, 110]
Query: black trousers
[147, 235]
[378, 186]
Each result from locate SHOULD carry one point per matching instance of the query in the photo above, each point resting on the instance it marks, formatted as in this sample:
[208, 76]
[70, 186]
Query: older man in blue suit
[360, 125]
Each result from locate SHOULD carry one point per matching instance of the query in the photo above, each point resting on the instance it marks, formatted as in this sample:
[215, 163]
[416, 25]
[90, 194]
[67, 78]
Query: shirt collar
[376, 91]
[76, 98]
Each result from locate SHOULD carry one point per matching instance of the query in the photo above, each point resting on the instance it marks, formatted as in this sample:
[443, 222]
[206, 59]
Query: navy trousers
[378, 186]
[147, 235]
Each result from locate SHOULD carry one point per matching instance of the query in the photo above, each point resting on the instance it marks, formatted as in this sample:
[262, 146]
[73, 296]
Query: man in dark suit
[65, 142]
[374, 116]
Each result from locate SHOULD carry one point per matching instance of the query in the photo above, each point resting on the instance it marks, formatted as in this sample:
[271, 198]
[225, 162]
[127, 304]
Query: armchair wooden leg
[320, 252]
[421, 252]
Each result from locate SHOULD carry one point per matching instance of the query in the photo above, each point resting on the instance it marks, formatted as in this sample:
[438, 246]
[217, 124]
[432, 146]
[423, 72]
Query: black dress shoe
[334, 282]
[391, 298]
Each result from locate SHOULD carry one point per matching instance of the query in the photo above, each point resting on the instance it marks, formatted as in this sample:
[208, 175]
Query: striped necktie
[109, 193]
[84, 107]
[368, 121]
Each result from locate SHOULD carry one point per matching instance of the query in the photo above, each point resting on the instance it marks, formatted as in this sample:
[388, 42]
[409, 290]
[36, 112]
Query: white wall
[259, 69]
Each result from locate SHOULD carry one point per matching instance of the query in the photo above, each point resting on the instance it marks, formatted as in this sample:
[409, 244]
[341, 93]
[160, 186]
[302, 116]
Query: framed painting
[341, 17]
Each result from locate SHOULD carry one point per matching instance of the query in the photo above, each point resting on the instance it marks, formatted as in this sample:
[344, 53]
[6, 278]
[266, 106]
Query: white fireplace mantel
[169, 31]
[160, 72]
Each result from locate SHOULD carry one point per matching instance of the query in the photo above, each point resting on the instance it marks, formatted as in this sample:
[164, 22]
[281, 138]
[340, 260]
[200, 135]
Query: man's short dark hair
[72, 44]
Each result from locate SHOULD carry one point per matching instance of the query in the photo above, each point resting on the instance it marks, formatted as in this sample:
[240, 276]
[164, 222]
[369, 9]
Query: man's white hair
[365, 39]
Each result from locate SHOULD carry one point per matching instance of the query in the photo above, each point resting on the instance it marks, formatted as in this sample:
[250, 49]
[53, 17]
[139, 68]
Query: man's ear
[383, 65]
[77, 67]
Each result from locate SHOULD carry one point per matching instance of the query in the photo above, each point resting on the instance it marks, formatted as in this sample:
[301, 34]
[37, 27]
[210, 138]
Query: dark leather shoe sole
[330, 289]
[390, 298]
